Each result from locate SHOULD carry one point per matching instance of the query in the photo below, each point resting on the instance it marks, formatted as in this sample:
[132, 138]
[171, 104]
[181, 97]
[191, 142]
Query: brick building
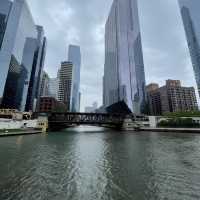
[49, 104]
[171, 98]
[154, 98]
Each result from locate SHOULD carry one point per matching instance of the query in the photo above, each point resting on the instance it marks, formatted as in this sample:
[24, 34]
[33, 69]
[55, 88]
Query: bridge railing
[92, 118]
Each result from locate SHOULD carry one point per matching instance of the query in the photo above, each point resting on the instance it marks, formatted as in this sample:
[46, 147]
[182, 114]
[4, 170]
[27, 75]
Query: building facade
[28, 61]
[154, 99]
[44, 91]
[65, 83]
[5, 9]
[36, 72]
[53, 87]
[191, 17]
[124, 77]
[18, 27]
[18, 49]
[74, 56]
[171, 98]
[50, 104]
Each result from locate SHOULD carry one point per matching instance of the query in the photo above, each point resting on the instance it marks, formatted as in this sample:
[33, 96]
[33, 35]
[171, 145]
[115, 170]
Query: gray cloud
[82, 22]
[166, 54]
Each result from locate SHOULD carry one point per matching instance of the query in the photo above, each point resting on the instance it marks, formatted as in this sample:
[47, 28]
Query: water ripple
[101, 165]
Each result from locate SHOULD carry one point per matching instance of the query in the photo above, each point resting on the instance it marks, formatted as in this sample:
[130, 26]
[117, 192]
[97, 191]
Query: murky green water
[97, 164]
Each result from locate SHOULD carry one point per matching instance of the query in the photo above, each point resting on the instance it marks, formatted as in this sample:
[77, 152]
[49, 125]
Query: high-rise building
[65, 83]
[154, 99]
[37, 68]
[74, 56]
[17, 26]
[124, 77]
[19, 48]
[53, 87]
[171, 98]
[44, 91]
[28, 61]
[191, 18]
[5, 9]
[50, 104]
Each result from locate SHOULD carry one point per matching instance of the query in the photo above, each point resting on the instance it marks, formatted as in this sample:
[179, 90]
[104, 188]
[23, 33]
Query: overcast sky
[81, 22]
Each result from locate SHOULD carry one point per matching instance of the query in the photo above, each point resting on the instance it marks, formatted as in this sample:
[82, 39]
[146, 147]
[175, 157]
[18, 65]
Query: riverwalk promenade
[176, 130]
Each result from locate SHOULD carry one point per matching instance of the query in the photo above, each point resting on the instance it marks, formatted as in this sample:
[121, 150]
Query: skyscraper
[22, 53]
[44, 91]
[28, 61]
[65, 83]
[5, 9]
[53, 87]
[74, 56]
[36, 73]
[124, 77]
[191, 18]
[17, 26]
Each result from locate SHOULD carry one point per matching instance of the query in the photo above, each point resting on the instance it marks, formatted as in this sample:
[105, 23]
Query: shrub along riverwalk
[178, 122]
[181, 122]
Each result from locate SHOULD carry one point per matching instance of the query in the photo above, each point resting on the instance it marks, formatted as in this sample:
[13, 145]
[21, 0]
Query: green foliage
[183, 114]
[178, 122]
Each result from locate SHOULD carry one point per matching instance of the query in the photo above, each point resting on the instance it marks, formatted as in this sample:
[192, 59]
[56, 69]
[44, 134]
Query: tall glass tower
[74, 56]
[22, 53]
[37, 68]
[124, 77]
[5, 9]
[17, 26]
[190, 11]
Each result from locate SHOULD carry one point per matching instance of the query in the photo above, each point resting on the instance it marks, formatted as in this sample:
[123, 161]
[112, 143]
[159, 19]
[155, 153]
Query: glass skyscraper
[74, 56]
[124, 77]
[28, 61]
[18, 26]
[4, 13]
[19, 49]
[37, 68]
[190, 11]
[44, 91]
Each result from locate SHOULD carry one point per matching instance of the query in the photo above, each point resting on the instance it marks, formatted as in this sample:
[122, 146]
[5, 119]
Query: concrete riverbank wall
[171, 130]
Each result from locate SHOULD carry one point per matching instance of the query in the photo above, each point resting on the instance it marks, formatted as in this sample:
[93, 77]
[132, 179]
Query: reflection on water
[97, 164]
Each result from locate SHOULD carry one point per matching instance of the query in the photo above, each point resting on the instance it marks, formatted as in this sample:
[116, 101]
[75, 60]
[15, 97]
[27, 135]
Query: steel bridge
[59, 121]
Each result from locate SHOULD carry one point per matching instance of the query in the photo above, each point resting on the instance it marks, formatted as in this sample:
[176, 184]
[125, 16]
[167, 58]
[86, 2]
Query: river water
[98, 164]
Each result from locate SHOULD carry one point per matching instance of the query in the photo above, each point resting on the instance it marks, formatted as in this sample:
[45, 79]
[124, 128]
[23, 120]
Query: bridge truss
[63, 120]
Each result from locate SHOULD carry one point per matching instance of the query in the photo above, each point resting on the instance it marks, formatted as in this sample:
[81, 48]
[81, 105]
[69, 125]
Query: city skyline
[162, 59]
[98, 99]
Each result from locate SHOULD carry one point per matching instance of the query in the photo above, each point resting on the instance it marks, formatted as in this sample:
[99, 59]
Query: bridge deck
[62, 120]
